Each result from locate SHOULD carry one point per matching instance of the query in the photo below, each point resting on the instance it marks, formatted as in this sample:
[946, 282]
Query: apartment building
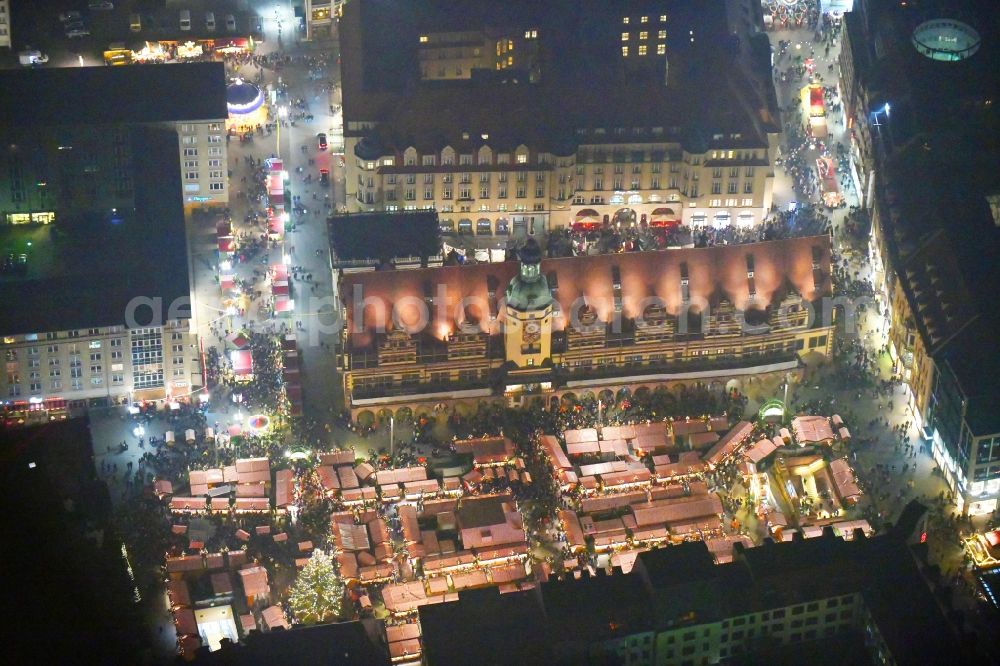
[5, 38]
[772, 604]
[919, 93]
[204, 164]
[100, 366]
[544, 328]
[96, 273]
[517, 120]
[79, 126]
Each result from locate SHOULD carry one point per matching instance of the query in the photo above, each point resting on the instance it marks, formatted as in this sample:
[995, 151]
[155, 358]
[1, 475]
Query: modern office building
[5, 38]
[919, 93]
[542, 328]
[837, 601]
[95, 272]
[519, 117]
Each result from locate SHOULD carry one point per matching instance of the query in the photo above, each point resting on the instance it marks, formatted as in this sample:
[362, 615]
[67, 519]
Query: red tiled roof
[643, 274]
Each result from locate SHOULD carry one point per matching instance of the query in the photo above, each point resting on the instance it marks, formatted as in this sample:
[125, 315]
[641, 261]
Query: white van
[210, 21]
[185, 20]
[134, 22]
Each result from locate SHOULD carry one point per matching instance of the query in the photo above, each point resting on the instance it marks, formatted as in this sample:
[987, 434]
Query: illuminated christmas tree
[318, 592]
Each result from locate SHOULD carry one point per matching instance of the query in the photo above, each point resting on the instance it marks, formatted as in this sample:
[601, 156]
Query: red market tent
[283, 305]
[242, 362]
[279, 288]
[279, 272]
[275, 225]
[227, 282]
[226, 244]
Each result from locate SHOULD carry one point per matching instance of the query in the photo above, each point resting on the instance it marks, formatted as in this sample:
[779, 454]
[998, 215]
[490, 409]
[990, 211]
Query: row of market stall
[168, 50]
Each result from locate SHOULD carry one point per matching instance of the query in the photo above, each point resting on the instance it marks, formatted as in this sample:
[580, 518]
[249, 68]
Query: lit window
[643, 35]
[663, 18]
[644, 19]
[423, 39]
[624, 36]
[522, 159]
[625, 51]
[625, 20]
[642, 49]
[661, 49]
[662, 34]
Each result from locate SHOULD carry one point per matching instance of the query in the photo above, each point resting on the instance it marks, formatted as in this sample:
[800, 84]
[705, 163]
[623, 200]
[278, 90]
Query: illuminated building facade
[548, 327]
[919, 95]
[98, 170]
[526, 117]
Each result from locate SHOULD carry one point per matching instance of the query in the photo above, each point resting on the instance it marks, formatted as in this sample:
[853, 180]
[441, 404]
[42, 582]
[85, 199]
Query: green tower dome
[529, 290]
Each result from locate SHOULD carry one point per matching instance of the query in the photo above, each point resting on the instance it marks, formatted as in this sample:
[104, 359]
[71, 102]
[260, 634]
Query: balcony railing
[699, 364]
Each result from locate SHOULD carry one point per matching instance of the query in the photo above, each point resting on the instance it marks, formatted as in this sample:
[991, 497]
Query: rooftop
[82, 270]
[948, 270]
[483, 511]
[714, 273]
[582, 79]
[105, 95]
[384, 236]
[668, 585]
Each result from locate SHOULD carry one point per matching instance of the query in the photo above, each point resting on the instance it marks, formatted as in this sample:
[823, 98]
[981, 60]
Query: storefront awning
[283, 305]
[227, 282]
[664, 222]
[279, 288]
[275, 225]
[279, 272]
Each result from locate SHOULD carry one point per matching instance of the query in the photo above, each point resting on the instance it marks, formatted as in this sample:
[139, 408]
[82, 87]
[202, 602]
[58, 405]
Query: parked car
[70, 17]
[101, 5]
[321, 140]
[230, 23]
[78, 32]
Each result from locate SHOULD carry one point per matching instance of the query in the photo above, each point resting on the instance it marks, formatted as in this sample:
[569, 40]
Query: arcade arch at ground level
[668, 390]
